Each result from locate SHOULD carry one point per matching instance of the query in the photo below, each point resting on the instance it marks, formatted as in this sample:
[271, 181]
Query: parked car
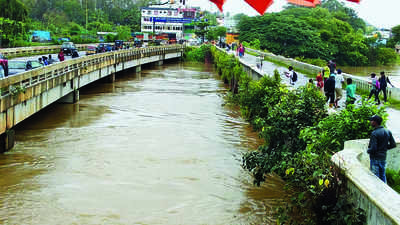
[101, 48]
[119, 44]
[109, 48]
[19, 66]
[137, 43]
[68, 48]
[91, 49]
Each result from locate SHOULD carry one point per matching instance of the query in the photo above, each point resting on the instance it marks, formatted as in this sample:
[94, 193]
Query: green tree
[202, 28]
[124, 33]
[220, 32]
[13, 9]
[395, 38]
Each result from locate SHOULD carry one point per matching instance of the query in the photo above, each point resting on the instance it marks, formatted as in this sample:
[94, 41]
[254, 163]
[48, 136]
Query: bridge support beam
[110, 78]
[7, 141]
[70, 98]
[159, 63]
[138, 69]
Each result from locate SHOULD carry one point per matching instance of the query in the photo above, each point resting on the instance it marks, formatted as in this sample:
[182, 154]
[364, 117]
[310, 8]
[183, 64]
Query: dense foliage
[393, 179]
[300, 139]
[327, 32]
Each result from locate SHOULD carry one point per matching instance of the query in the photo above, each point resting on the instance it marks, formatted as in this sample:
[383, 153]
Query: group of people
[379, 85]
[45, 61]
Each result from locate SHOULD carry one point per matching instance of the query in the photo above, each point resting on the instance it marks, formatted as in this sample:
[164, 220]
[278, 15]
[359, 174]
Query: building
[167, 19]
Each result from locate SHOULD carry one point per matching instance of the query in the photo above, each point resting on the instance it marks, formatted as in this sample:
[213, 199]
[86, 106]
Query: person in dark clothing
[329, 89]
[75, 54]
[381, 140]
[384, 81]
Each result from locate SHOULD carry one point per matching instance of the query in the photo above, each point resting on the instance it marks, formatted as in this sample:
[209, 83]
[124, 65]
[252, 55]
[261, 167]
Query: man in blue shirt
[381, 140]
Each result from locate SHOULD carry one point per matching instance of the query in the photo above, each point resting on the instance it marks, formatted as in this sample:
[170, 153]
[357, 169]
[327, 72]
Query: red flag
[356, 1]
[219, 3]
[260, 5]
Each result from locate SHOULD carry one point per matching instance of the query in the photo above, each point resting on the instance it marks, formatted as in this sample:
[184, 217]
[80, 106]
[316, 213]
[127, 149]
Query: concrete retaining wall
[381, 203]
[361, 82]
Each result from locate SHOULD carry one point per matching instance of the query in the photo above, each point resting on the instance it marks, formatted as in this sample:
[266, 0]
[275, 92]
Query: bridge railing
[32, 77]
[37, 50]
[361, 82]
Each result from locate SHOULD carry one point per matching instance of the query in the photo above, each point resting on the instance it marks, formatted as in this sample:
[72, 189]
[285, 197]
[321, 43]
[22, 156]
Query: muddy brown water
[159, 147]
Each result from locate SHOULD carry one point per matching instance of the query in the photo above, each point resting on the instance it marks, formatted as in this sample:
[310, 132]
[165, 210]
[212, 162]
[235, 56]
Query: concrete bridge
[23, 95]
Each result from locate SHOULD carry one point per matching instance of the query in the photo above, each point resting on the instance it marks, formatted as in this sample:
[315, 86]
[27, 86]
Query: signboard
[172, 20]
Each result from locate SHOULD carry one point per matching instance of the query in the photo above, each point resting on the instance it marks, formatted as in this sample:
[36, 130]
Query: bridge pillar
[110, 78]
[138, 69]
[159, 63]
[7, 141]
[70, 98]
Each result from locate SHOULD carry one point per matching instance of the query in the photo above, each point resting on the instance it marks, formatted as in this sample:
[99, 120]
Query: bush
[196, 54]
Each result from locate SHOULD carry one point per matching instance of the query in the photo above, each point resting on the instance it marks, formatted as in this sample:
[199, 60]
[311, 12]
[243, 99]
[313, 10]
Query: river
[159, 147]
[392, 71]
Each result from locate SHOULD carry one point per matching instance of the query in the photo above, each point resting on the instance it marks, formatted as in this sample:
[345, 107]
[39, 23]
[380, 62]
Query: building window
[176, 13]
[156, 12]
[169, 13]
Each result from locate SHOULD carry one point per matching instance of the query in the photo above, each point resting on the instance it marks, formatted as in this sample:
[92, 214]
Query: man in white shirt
[339, 80]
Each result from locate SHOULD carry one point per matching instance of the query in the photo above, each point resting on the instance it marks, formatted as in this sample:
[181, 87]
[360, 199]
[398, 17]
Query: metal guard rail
[33, 77]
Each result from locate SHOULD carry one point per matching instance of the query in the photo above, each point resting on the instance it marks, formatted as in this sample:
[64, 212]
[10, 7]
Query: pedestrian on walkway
[292, 75]
[259, 61]
[320, 83]
[326, 72]
[374, 89]
[332, 66]
[381, 140]
[329, 88]
[51, 60]
[41, 61]
[61, 56]
[384, 81]
[339, 81]
[350, 92]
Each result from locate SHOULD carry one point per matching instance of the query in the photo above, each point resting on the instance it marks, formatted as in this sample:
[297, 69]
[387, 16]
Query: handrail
[42, 74]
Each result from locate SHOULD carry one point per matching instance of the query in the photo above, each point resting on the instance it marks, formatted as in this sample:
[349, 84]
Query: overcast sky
[380, 13]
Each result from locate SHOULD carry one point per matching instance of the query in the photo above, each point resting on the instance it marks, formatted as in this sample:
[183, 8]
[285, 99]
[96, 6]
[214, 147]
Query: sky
[380, 13]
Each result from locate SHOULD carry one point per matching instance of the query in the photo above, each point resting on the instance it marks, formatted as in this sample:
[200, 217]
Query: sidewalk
[268, 68]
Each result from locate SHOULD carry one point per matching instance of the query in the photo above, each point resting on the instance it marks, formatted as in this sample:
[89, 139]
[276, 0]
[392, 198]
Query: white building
[166, 19]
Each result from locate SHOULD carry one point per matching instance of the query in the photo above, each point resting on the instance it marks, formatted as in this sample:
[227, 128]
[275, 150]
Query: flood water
[159, 147]
[392, 71]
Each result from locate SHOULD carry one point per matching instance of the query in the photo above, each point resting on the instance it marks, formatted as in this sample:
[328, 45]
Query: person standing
[61, 56]
[350, 92]
[320, 83]
[292, 75]
[381, 140]
[384, 81]
[374, 89]
[329, 88]
[339, 80]
[326, 72]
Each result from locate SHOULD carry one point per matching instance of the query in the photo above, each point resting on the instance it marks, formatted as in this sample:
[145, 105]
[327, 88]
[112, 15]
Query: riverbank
[288, 120]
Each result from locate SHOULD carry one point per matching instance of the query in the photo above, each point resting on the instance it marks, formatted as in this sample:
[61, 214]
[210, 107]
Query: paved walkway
[268, 68]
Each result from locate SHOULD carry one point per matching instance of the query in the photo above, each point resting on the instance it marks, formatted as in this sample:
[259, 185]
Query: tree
[220, 32]
[13, 10]
[395, 38]
[202, 28]
[124, 33]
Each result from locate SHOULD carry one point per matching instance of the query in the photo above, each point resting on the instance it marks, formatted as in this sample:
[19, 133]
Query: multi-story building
[167, 19]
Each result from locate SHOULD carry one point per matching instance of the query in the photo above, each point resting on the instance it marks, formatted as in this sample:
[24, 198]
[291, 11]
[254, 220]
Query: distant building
[167, 19]
[230, 23]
